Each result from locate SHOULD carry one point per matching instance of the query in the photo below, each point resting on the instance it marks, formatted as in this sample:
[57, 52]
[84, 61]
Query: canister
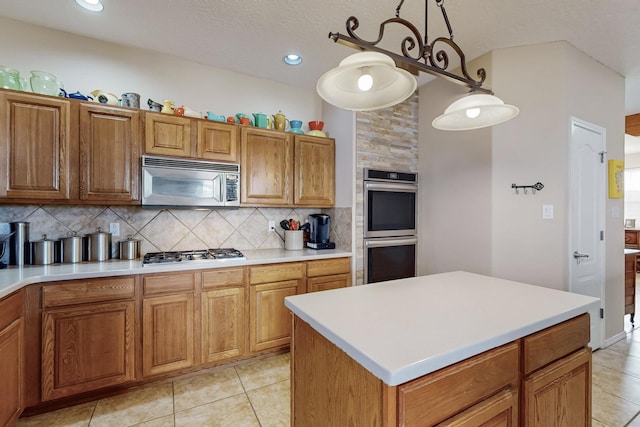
[130, 248]
[72, 248]
[19, 247]
[99, 245]
[43, 251]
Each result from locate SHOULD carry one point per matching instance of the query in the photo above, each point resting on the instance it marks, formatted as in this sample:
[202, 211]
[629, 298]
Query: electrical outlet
[114, 229]
[272, 225]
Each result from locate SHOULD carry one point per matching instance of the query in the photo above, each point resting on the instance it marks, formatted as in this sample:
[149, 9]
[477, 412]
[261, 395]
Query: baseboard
[614, 339]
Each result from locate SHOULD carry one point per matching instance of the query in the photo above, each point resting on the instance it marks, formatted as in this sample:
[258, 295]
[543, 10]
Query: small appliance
[319, 233]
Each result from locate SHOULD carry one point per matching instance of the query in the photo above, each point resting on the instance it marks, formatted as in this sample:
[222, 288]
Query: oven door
[389, 209]
[182, 187]
[389, 259]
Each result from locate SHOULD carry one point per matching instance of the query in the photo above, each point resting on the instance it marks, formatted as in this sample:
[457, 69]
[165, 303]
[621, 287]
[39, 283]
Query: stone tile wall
[388, 140]
[173, 229]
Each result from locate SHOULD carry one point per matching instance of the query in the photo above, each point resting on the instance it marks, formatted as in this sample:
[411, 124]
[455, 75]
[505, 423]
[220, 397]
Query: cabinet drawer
[442, 394]
[555, 342]
[11, 308]
[168, 284]
[84, 291]
[326, 267]
[325, 283]
[276, 272]
[223, 277]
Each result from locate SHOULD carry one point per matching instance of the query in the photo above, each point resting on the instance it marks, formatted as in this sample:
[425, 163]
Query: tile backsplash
[173, 229]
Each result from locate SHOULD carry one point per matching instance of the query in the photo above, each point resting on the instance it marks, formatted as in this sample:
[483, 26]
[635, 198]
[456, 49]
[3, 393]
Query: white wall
[472, 218]
[86, 64]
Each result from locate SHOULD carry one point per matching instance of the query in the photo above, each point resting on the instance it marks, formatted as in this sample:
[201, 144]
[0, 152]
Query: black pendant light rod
[424, 58]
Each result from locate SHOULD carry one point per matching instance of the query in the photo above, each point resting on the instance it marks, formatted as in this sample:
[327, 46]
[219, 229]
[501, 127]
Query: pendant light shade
[475, 111]
[366, 81]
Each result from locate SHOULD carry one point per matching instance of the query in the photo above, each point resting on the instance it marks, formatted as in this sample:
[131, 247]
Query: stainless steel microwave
[172, 182]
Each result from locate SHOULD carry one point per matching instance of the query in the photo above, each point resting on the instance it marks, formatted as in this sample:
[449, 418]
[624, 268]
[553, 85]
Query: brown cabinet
[177, 136]
[314, 171]
[267, 167]
[270, 320]
[281, 169]
[168, 322]
[109, 154]
[12, 354]
[630, 270]
[223, 308]
[328, 274]
[36, 146]
[542, 379]
[87, 335]
[631, 239]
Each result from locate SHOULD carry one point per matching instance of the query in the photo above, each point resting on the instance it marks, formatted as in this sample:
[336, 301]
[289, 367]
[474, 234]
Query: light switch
[547, 211]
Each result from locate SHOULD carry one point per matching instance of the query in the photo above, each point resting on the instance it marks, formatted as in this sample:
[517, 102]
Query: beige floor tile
[234, 411]
[620, 362]
[166, 421]
[75, 416]
[141, 405]
[622, 385]
[596, 423]
[205, 388]
[264, 372]
[611, 410]
[635, 422]
[272, 404]
[626, 346]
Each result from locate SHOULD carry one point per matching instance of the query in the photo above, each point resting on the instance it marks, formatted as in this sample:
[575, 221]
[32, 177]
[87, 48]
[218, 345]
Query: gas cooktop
[220, 254]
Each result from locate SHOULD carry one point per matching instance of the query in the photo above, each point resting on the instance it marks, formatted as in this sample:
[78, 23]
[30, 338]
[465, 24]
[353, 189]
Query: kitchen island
[401, 353]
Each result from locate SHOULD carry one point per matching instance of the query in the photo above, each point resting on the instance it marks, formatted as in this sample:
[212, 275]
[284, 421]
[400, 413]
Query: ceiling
[252, 36]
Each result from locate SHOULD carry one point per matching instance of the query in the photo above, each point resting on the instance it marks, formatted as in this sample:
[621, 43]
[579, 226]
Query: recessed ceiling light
[92, 5]
[293, 59]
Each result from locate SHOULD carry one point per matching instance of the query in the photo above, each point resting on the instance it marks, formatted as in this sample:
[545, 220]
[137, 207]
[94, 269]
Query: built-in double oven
[390, 236]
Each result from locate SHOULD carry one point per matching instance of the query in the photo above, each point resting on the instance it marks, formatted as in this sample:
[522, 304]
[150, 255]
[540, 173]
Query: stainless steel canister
[130, 248]
[19, 247]
[72, 248]
[43, 251]
[99, 245]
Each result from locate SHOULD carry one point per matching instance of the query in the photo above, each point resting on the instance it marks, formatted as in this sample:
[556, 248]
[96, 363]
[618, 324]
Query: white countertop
[403, 329]
[14, 278]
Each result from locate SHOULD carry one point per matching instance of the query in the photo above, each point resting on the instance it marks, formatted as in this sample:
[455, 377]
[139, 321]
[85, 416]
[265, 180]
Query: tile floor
[253, 393]
[256, 393]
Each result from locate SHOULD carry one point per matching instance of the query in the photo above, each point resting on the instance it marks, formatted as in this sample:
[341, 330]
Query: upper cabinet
[35, 147]
[177, 136]
[56, 150]
[282, 169]
[109, 153]
[314, 171]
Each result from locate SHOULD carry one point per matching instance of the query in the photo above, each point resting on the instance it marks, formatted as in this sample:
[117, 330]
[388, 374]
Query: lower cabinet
[500, 410]
[328, 274]
[87, 336]
[167, 323]
[223, 309]
[270, 320]
[12, 357]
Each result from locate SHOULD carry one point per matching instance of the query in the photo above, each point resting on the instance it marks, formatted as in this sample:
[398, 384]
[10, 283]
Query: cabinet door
[167, 333]
[217, 141]
[223, 324]
[167, 135]
[314, 171]
[267, 167]
[109, 154]
[324, 283]
[87, 347]
[270, 319]
[35, 147]
[560, 394]
[12, 372]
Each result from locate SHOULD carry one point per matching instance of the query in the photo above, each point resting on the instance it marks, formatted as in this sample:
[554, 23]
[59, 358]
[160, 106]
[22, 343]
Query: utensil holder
[293, 240]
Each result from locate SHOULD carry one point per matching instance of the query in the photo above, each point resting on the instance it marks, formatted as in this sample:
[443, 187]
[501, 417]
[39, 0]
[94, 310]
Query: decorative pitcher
[279, 121]
[9, 78]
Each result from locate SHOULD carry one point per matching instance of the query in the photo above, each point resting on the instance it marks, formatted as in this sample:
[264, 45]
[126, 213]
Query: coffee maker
[319, 233]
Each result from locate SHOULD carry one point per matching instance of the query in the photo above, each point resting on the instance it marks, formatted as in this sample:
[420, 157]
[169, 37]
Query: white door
[587, 247]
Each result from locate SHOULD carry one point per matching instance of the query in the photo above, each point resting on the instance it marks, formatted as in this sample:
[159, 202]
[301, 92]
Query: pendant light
[366, 81]
[475, 111]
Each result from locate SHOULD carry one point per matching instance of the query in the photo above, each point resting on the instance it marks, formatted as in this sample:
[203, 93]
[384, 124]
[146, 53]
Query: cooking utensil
[284, 224]
[4, 241]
